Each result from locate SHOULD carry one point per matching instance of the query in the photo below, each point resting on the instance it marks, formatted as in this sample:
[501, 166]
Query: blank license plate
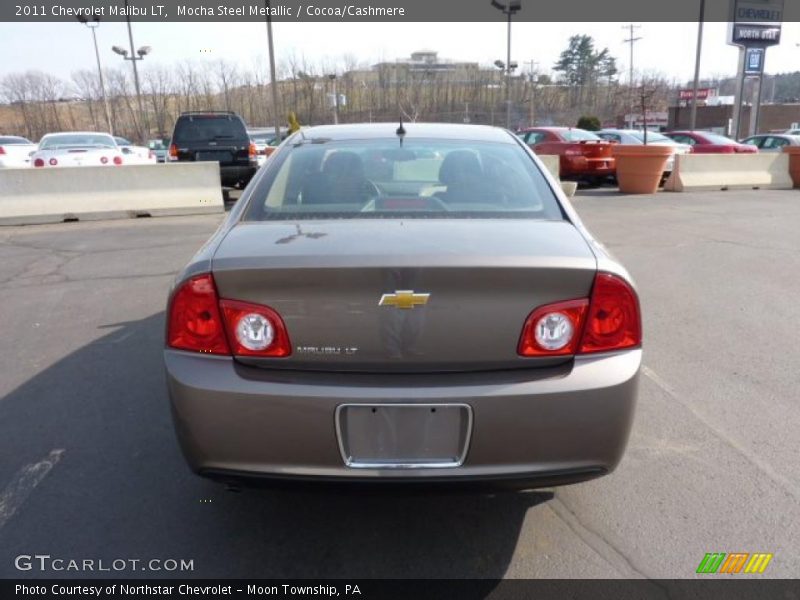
[218, 156]
[403, 435]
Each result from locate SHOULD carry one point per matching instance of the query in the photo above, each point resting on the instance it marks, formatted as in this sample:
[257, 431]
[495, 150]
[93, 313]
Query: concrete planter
[640, 167]
[794, 163]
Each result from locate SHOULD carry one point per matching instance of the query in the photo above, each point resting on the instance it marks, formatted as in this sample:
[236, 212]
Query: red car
[583, 155]
[706, 142]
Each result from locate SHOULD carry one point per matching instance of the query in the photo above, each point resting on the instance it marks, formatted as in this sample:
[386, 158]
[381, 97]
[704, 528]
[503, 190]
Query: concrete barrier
[552, 163]
[697, 172]
[32, 196]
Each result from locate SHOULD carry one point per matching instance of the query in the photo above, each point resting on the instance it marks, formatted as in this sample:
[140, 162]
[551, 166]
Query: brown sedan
[403, 304]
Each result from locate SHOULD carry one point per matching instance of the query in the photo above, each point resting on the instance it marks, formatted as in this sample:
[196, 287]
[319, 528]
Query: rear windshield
[652, 137]
[209, 128]
[74, 140]
[579, 135]
[420, 179]
[14, 140]
[718, 139]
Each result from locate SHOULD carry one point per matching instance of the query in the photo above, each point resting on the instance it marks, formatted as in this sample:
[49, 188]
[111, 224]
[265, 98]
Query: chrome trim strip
[348, 462]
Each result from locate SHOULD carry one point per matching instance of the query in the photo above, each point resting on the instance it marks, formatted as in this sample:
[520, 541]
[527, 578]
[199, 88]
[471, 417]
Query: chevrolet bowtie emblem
[404, 299]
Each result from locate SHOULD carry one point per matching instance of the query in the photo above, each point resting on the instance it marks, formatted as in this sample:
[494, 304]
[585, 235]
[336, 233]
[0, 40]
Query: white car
[135, 155]
[635, 136]
[15, 152]
[78, 149]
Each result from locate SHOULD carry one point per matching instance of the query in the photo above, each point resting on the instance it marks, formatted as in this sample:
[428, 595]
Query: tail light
[53, 162]
[173, 152]
[151, 154]
[117, 160]
[609, 320]
[104, 160]
[255, 330]
[38, 162]
[252, 150]
[2, 150]
[199, 321]
[194, 318]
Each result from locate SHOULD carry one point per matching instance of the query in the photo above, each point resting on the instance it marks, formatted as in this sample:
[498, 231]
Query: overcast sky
[667, 48]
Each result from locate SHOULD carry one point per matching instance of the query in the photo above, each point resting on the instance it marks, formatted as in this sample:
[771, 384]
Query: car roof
[443, 131]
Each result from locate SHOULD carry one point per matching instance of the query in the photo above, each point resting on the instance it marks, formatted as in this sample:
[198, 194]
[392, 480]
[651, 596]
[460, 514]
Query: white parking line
[781, 480]
[23, 483]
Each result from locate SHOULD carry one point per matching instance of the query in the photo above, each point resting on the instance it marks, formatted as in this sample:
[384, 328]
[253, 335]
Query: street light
[508, 9]
[332, 77]
[134, 57]
[93, 24]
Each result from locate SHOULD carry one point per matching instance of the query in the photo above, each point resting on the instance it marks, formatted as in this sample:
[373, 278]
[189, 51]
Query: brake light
[173, 151]
[614, 320]
[255, 330]
[117, 160]
[252, 150]
[194, 318]
[151, 154]
[609, 320]
[199, 321]
[104, 160]
[2, 150]
[53, 162]
[38, 162]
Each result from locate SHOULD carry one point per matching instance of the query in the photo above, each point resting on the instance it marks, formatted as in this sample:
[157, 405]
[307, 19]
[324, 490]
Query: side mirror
[126, 150]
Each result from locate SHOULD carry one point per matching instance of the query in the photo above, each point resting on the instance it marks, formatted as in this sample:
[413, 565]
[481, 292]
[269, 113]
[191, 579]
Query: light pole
[93, 24]
[509, 9]
[693, 118]
[506, 69]
[332, 77]
[272, 76]
[134, 58]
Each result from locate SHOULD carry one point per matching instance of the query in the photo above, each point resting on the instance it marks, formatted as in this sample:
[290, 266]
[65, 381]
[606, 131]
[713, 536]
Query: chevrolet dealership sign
[755, 23]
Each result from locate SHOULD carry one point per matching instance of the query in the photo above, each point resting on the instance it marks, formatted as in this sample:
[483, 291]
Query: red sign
[702, 93]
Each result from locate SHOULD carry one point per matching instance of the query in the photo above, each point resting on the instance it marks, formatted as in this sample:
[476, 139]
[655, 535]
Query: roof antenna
[401, 132]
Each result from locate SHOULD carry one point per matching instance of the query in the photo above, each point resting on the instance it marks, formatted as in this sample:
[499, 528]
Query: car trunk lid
[352, 293]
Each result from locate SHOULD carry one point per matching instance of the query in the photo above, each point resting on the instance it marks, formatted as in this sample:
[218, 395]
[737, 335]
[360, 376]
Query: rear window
[420, 179]
[718, 139]
[77, 140]
[579, 135]
[10, 140]
[203, 128]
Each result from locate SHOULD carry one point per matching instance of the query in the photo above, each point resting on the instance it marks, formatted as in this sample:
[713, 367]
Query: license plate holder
[403, 435]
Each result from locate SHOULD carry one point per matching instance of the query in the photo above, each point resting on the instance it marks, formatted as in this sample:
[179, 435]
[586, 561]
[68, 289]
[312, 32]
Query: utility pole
[509, 10]
[693, 118]
[93, 24]
[631, 40]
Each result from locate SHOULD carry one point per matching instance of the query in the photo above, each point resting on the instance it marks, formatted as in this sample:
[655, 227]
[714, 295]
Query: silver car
[635, 136]
[772, 142]
[412, 304]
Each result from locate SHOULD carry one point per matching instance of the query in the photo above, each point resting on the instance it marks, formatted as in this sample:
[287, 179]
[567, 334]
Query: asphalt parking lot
[89, 467]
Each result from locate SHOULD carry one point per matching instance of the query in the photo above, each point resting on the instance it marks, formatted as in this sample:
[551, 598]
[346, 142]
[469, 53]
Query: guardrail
[51, 195]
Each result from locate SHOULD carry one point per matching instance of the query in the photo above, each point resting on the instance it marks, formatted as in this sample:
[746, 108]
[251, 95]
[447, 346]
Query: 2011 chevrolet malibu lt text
[403, 304]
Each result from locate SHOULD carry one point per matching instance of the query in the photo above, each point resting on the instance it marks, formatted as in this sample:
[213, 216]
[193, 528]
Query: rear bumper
[231, 175]
[530, 428]
[580, 166]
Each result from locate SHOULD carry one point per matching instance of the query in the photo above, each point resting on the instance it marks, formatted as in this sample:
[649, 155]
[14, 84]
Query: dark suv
[218, 136]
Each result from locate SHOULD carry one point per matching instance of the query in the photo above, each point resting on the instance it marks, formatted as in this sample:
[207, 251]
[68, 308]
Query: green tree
[582, 66]
[589, 123]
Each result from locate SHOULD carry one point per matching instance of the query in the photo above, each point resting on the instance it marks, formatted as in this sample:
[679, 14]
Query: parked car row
[587, 156]
[72, 149]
